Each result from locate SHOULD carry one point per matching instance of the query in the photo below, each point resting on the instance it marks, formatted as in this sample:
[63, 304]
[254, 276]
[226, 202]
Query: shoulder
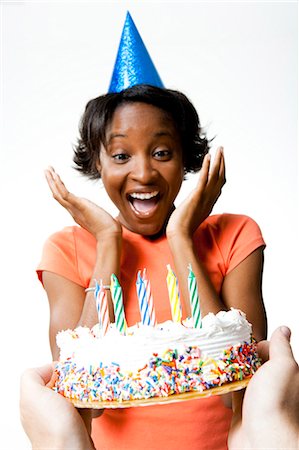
[71, 245]
[70, 236]
[70, 253]
[233, 236]
[230, 234]
[229, 224]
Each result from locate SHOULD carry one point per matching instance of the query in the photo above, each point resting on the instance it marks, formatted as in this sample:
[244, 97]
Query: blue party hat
[133, 63]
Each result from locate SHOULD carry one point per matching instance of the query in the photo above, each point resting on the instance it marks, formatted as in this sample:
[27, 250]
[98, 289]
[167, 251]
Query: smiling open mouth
[143, 203]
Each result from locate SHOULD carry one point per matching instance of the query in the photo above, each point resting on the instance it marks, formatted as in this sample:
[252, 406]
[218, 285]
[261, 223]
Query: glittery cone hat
[133, 63]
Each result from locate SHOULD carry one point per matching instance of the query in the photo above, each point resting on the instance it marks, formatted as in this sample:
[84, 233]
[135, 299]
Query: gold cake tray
[193, 395]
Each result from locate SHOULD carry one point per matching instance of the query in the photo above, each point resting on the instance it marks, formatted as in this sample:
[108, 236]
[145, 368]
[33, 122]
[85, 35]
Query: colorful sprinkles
[163, 375]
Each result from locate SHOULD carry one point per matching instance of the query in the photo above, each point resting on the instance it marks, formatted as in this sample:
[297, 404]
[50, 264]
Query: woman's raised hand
[86, 213]
[198, 205]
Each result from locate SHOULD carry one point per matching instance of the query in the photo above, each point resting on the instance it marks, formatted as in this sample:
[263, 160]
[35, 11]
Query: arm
[69, 305]
[242, 289]
[242, 286]
[182, 225]
[66, 300]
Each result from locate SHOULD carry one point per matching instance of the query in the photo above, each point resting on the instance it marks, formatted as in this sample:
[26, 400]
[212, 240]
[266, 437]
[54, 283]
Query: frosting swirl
[87, 347]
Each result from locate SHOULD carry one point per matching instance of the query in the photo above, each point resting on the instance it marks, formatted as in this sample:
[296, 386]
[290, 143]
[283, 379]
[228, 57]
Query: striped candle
[150, 300]
[102, 307]
[174, 296]
[117, 298]
[194, 299]
[142, 299]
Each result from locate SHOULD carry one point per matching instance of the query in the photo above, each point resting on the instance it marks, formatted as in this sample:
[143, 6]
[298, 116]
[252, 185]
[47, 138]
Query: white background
[236, 61]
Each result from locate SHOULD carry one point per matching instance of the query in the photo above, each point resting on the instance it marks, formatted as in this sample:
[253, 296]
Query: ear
[98, 166]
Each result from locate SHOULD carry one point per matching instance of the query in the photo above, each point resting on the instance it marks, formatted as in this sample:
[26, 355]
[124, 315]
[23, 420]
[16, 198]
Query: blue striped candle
[142, 298]
[150, 300]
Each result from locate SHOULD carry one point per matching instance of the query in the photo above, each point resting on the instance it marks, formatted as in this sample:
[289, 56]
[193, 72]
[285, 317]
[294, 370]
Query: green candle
[194, 299]
[117, 298]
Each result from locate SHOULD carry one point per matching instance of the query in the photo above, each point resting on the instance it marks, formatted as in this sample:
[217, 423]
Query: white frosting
[88, 348]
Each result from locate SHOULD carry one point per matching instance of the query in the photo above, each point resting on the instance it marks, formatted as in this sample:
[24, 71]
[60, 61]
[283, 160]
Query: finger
[52, 381]
[45, 372]
[204, 172]
[60, 186]
[263, 350]
[38, 375]
[280, 343]
[222, 167]
[50, 173]
[216, 167]
[52, 180]
[59, 191]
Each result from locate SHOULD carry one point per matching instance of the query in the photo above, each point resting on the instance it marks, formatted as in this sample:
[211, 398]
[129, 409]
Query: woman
[141, 142]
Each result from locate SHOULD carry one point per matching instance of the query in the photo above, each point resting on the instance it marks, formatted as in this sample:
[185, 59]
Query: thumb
[45, 373]
[280, 343]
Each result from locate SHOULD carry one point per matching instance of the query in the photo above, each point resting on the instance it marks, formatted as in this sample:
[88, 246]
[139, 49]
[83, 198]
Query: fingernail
[286, 331]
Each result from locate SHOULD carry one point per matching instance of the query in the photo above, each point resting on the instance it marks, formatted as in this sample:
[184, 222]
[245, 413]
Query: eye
[164, 155]
[120, 157]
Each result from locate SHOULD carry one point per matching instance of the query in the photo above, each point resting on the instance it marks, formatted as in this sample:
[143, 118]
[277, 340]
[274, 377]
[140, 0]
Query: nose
[143, 170]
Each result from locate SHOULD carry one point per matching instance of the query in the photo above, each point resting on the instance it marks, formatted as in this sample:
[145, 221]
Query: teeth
[144, 196]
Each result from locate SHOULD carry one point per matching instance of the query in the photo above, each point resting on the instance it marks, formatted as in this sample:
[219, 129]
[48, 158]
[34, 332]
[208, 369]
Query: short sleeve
[239, 236]
[59, 256]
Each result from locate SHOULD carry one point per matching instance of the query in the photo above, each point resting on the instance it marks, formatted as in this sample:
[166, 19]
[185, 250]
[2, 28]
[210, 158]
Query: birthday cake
[158, 361]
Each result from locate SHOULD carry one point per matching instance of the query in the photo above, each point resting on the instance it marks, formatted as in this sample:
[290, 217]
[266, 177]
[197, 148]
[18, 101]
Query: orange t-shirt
[222, 242]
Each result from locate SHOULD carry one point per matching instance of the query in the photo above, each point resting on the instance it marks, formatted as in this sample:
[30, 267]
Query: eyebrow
[163, 133]
[116, 135]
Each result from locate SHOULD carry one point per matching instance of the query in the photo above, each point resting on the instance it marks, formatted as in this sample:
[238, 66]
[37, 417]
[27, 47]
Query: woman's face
[141, 166]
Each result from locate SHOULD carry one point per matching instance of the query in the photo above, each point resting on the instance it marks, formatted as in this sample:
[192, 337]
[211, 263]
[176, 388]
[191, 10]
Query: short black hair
[99, 112]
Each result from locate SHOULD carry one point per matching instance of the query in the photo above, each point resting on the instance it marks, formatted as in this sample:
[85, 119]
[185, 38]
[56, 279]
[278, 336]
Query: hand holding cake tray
[115, 366]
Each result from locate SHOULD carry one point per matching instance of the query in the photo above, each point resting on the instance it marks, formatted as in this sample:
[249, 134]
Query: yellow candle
[174, 296]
